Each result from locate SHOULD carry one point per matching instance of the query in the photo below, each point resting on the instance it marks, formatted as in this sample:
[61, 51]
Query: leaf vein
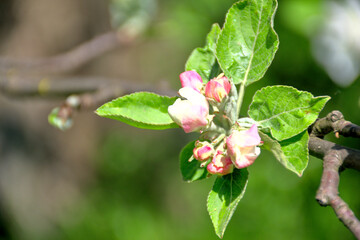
[253, 47]
[285, 112]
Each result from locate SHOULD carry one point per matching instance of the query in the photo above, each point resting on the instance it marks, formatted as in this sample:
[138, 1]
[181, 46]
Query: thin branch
[63, 116]
[70, 60]
[102, 95]
[27, 85]
[21, 86]
[83, 93]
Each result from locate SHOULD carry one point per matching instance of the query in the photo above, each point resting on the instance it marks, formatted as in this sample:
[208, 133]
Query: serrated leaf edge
[230, 214]
[272, 29]
[207, 47]
[284, 86]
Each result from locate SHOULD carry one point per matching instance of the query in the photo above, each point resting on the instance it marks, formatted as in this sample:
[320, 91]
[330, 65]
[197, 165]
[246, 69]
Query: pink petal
[203, 151]
[247, 157]
[191, 114]
[191, 79]
[220, 164]
[226, 84]
[217, 88]
[252, 136]
[213, 90]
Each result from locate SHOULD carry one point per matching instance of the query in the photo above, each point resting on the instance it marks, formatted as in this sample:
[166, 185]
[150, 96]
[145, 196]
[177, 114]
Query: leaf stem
[240, 98]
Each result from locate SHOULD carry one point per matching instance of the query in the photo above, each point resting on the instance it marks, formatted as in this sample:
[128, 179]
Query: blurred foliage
[138, 192]
[134, 15]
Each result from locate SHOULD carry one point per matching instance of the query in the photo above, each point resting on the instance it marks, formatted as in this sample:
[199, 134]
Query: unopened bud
[220, 164]
[203, 151]
[218, 88]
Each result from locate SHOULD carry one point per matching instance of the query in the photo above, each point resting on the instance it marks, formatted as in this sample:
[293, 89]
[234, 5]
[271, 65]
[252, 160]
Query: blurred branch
[72, 59]
[336, 158]
[26, 77]
[20, 85]
[82, 93]
[26, 85]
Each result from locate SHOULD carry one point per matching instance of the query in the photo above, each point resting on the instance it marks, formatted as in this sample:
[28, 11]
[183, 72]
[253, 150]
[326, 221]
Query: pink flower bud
[192, 80]
[203, 151]
[192, 113]
[242, 146]
[217, 88]
[220, 164]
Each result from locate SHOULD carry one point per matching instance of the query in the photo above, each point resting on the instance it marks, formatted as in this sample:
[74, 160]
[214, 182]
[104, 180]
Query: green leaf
[212, 37]
[141, 110]
[190, 167]
[203, 60]
[285, 110]
[224, 197]
[296, 150]
[248, 42]
[292, 153]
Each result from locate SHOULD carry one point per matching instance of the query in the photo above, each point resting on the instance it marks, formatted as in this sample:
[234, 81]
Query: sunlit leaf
[285, 110]
[202, 60]
[141, 110]
[248, 42]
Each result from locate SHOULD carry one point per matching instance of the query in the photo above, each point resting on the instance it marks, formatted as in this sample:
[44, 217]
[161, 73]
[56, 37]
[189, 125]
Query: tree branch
[70, 60]
[82, 93]
[320, 148]
[336, 158]
[335, 122]
[328, 195]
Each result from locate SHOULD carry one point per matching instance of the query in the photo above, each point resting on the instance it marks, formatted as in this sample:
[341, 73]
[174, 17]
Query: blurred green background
[106, 180]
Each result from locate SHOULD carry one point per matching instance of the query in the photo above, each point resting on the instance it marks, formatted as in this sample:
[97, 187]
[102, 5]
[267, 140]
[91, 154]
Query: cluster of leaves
[243, 50]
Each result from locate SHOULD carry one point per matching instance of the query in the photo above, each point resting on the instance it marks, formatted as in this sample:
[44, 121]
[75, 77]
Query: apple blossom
[191, 113]
[217, 88]
[220, 164]
[191, 79]
[242, 146]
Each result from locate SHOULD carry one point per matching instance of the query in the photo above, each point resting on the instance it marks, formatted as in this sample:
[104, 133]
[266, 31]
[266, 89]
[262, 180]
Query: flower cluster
[202, 109]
